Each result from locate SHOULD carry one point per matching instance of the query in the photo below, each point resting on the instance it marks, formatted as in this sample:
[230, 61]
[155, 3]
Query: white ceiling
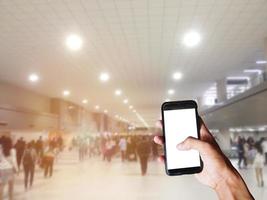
[137, 41]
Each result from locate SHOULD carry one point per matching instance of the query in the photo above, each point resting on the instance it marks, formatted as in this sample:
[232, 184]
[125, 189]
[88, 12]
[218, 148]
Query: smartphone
[180, 120]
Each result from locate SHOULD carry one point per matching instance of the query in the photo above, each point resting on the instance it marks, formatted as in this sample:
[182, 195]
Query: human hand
[218, 172]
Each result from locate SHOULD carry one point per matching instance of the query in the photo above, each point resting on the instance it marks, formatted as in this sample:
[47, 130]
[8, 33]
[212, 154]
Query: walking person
[123, 148]
[264, 146]
[143, 151]
[259, 164]
[8, 166]
[28, 160]
[240, 150]
[20, 147]
[48, 162]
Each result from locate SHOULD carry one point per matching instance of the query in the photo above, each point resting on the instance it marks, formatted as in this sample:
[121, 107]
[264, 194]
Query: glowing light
[74, 42]
[191, 39]
[33, 77]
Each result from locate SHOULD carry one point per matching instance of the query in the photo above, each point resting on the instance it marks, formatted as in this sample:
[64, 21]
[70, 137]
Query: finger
[159, 140]
[193, 143]
[161, 159]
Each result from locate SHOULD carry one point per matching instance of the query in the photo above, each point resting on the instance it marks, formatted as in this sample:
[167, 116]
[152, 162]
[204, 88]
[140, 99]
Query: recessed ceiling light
[97, 107]
[125, 101]
[191, 39]
[261, 62]
[66, 93]
[118, 92]
[130, 107]
[85, 101]
[171, 91]
[104, 77]
[105, 111]
[33, 78]
[177, 75]
[74, 42]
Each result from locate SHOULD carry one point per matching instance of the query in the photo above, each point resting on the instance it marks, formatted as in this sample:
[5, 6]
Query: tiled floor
[95, 179]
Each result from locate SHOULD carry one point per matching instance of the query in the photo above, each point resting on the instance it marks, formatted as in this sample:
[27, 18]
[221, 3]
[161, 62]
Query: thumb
[192, 143]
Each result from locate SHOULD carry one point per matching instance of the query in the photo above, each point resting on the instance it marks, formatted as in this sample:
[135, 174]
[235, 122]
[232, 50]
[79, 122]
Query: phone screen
[180, 124]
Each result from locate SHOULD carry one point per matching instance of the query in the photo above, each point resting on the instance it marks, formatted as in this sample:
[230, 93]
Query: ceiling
[138, 42]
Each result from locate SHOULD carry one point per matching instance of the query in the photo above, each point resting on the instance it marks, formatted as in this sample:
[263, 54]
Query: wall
[21, 109]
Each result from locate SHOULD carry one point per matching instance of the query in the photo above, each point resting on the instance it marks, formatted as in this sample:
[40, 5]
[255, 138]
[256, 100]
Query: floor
[95, 179]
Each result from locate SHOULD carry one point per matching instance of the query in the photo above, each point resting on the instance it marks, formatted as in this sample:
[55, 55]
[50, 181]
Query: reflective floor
[95, 179]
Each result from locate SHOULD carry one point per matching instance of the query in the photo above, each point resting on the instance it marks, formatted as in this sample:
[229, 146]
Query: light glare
[191, 39]
[74, 42]
[125, 101]
[33, 78]
[85, 101]
[66, 93]
[171, 91]
[118, 92]
[104, 77]
[177, 76]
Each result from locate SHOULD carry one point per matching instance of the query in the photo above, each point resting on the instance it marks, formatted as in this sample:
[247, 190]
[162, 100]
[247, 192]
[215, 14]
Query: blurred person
[264, 146]
[240, 151]
[8, 166]
[48, 161]
[123, 148]
[218, 172]
[39, 147]
[20, 147]
[110, 148]
[246, 153]
[143, 151]
[259, 164]
[28, 160]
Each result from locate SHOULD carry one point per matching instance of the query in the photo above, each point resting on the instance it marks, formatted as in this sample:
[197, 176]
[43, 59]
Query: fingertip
[158, 140]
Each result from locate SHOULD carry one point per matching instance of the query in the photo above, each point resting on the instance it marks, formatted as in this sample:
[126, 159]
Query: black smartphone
[180, 120]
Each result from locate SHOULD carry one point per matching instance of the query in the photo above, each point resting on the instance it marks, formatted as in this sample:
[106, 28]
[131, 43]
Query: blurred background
[82, 82]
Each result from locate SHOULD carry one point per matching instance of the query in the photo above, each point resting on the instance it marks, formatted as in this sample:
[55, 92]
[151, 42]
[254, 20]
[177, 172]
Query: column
[221, 90]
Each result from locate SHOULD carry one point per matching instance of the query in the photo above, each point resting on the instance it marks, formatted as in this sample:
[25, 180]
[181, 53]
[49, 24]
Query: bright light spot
[118, 92]
[74, 42]
[134, 111]
[85, 101]
[261, 62]
[97, 107]
[177, 75]
[130, 107]
[258, 71]
[167, 100]
[33, 78]
[104, 77]
[191, 39]
[66, 93]
[171, 91]
[116, 116]
[237, 78]
[125, 101]
[105, 111]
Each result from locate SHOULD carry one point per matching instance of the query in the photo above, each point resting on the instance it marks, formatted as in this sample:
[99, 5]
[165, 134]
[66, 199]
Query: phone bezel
[177, 105]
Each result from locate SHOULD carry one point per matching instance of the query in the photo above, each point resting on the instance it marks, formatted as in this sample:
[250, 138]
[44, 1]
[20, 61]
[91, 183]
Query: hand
[217, 169]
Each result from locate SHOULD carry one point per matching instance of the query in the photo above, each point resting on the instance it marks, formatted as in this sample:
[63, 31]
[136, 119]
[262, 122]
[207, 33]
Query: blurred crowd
[129, 148]
[252, 153]
[25, 156]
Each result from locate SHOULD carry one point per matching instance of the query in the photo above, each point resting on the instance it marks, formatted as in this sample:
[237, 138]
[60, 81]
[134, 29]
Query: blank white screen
[179, 124]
